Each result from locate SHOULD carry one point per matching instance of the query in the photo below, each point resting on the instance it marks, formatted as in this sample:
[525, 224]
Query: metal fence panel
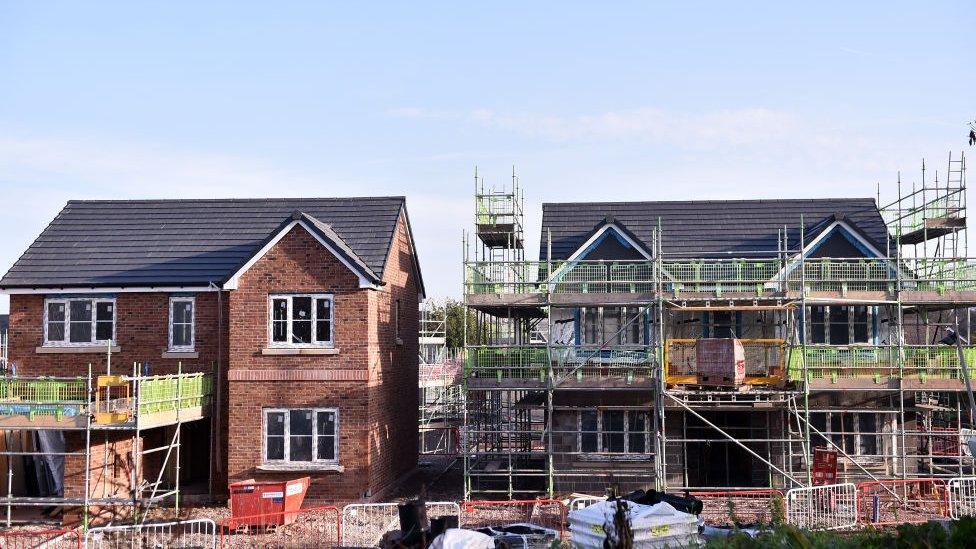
[547, 513]
[187, 534]
[722, 507]
[366, 524]
[827, 507]
[582, 502]
[313, 527]
[896, 501]
[48, 539]
[962, 497]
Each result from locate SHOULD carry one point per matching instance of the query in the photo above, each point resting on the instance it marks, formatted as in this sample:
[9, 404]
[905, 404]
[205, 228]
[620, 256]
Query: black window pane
[300, 448]
[279, 309]
[182, 312]
[323, 309]
[81, 332]
[301, 308]
[276, 448]
[839, 330]
[55, 311]
[81, 310]
[181, 335]
[301, 331]
[323, 329]
[279, 331]
[588, 426]
[103, 331]
[613, 420]
[276, 423]
[326, 423]
[817, 325]
[613, 442]
[300, 422]
[55, 331]
[104, 311]
[326, 449]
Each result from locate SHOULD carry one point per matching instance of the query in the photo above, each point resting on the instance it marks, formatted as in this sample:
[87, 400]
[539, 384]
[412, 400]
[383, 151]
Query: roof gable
[746, 228]
[191, 243]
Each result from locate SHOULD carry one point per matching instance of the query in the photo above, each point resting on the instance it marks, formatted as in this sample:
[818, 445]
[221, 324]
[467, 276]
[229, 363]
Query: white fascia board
[231, 283]
[107, 290]
[596, 236]
[795, 262]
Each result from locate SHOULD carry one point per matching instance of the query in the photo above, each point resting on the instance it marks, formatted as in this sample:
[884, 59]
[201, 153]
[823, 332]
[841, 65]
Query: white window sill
[285, 351]
[79, 349]
[298, 467]
[181, 354]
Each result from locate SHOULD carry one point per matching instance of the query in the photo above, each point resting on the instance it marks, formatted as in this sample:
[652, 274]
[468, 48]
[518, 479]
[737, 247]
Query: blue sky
[612, 102]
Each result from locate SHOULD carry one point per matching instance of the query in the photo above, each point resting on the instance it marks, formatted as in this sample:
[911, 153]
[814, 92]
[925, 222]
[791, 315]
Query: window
[181, 311]
[613, 431]
[301, 321]
[302, 435]
[85, 321]
[612, 325]
[396, 320]
[841, 324]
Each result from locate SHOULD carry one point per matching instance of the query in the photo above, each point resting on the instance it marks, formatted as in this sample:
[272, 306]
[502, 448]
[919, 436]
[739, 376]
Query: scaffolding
[441, 395]
[92, 414]
[3, 351]
[625, 405]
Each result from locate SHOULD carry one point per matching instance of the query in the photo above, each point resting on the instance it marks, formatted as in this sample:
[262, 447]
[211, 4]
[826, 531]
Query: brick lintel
[297, 375]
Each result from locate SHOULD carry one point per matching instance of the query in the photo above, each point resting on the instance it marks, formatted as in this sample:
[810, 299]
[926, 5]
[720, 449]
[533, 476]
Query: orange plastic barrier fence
[49, 539]
[742, 507]
[885, 502]
[312, 527]
[547, 513]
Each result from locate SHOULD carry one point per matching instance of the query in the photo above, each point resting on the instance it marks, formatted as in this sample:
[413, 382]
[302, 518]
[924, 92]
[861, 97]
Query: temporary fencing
[884, 502]
[312, 527]
[367, 524]
[197, 533]
[962, 497]
[547, 513]
[49, 539]
[742, 507]
[827, 507]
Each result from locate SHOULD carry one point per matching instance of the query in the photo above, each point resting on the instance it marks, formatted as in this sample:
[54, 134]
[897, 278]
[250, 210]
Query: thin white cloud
[654, 125]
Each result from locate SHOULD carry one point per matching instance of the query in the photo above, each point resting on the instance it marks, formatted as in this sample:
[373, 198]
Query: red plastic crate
[266, 503]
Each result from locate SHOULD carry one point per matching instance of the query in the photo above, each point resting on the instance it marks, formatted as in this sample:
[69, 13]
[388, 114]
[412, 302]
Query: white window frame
[66, 342]
[626, 432]
[287, 436]
[314, 344]
[193, 321]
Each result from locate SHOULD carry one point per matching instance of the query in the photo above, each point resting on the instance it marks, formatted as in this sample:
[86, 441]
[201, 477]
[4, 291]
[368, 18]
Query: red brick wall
[377, 415]
[393, 372]
[141, 328]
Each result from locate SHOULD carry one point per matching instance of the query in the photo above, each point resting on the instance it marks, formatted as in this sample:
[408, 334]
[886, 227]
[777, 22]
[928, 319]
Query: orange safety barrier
[742, 507]
[312, 527]
[547, 513]
[52, 539]
[883, 502]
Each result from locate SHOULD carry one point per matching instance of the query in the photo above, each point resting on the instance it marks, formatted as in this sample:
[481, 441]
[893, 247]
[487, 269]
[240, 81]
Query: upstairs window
[840, 324]
[79, 322]
[181, 313]
[301, 320]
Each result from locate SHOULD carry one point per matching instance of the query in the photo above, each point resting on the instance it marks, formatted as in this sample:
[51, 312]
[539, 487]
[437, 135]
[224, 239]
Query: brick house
[303, 311]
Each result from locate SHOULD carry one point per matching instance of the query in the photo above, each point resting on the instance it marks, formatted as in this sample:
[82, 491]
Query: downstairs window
[301, 435]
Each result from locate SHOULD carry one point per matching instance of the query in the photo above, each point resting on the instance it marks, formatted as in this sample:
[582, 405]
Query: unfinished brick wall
[141, 330]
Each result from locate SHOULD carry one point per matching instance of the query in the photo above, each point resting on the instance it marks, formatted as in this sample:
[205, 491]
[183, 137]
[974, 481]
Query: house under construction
[596, 364]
